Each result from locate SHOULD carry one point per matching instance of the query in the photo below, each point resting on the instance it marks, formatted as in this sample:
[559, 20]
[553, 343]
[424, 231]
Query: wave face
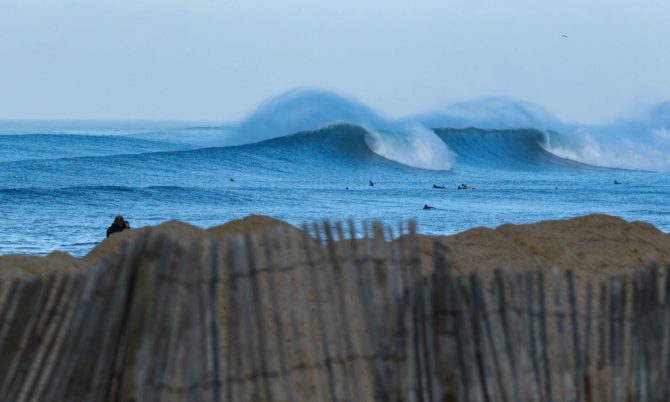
[504, 149]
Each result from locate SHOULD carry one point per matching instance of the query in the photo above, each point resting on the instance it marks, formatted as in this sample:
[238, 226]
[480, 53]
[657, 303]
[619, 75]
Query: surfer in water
[372, 184]
[617, 182]
[439, 187]
[426, 206]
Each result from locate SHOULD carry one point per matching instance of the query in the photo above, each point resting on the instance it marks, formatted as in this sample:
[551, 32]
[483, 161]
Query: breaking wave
[408, 143]
[640, 143]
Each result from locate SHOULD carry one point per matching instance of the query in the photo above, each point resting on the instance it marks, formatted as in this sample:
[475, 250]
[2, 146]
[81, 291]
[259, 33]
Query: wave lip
[416, 146]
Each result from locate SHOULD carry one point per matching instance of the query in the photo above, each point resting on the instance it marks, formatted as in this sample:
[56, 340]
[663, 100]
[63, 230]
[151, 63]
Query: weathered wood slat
[576, 341]
[512, 384]
[665, 350]
[546, 363]
[587, 385]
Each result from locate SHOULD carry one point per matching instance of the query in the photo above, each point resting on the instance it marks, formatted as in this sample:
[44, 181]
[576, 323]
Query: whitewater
[309, 155]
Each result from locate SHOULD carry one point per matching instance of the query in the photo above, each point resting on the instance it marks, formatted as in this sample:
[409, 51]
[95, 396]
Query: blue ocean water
[309, 156]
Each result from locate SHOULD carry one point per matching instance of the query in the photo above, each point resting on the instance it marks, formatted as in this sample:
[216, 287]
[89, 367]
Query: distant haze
[218, 60]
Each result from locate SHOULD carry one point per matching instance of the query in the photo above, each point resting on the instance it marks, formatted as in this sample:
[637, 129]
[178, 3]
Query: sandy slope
[593, 244]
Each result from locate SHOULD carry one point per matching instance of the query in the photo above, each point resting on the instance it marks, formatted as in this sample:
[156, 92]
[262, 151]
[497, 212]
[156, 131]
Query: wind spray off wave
[641, 142]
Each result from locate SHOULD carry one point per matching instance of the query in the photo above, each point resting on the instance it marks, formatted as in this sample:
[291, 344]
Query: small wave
[31, 147]
[55, 191]
[105, 191]
[79, 244]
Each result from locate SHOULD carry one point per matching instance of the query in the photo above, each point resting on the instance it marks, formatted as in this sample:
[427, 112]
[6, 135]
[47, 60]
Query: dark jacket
[114, 229]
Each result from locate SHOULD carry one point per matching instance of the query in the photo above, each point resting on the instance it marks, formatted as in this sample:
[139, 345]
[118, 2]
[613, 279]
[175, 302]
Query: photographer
[119, 225]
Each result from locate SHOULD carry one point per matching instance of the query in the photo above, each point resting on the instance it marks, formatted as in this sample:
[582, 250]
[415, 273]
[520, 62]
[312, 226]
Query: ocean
[311, 155]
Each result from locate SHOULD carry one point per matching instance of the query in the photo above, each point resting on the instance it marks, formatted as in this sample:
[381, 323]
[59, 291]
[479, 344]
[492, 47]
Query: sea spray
[497, 113]
[298, 111]
[640, 142]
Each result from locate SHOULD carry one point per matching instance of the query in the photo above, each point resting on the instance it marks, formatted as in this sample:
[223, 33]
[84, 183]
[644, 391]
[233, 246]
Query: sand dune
[594, 245]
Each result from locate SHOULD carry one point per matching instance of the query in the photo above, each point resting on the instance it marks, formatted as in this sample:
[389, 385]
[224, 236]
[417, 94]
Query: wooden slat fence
[541, 336]
[289, 316]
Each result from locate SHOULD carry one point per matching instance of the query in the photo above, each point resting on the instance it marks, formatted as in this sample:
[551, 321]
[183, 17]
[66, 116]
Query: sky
[218, 60]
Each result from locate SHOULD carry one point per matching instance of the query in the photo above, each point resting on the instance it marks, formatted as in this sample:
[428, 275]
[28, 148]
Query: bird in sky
[564, 36]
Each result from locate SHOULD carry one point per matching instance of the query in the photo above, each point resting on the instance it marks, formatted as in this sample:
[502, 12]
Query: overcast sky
[217, 60]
